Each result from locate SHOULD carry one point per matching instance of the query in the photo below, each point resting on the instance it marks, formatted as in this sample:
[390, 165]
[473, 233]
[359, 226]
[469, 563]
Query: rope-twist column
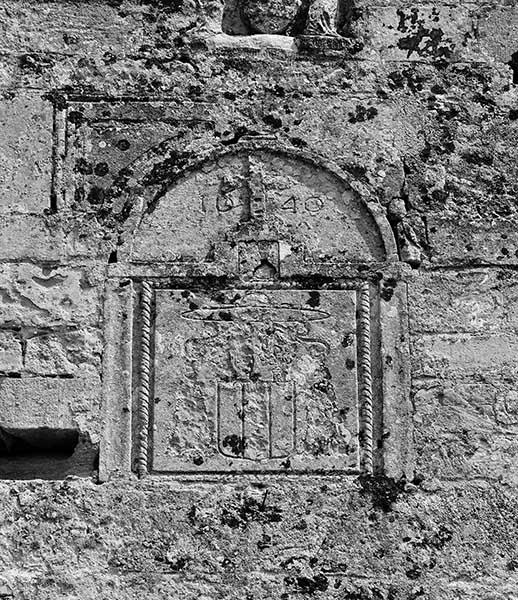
[364, 343]
[145, 379]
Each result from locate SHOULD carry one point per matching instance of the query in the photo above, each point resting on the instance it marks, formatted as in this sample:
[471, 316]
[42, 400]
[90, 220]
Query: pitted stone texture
[467, 429]
[30, 237]
[63, 352]
[10, 352]
[427, 32]
[270, 16]
[457, 241]
[465, 375]
[311, 538]
[498, 32]
[475, 301]
[464, 355]
[255, 380]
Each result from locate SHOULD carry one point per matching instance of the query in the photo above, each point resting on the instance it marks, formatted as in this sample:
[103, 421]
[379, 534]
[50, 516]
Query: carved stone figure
[270, 16]
[313, 17]
[322, 16]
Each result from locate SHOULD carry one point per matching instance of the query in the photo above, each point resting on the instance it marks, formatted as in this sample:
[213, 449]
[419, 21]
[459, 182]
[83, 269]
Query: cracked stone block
[62, 353]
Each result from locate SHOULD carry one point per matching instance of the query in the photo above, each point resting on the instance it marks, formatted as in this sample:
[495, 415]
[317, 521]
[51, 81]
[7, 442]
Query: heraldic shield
[256, 420]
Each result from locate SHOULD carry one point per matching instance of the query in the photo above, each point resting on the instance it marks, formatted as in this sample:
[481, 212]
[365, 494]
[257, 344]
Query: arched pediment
[309, 210]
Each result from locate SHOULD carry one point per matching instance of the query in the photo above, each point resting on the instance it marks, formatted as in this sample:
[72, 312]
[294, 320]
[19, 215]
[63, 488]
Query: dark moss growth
[387, 289]
[36, 63]
[362, 114]
[424, 39]
[247, 509]
[384, 491]
[235, 444]
[308, 585]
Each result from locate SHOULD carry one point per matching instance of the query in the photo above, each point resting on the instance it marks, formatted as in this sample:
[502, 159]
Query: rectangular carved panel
[254, 381]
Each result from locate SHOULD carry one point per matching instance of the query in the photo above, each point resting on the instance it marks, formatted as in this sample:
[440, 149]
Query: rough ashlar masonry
[258, 289]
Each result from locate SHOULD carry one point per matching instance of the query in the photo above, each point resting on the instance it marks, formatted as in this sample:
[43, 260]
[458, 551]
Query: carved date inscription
[255, 380]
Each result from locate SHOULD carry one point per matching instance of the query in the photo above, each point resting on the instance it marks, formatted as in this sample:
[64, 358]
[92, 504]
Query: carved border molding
[384, 406]
[145, 317]
[365, 375]
[145, 378]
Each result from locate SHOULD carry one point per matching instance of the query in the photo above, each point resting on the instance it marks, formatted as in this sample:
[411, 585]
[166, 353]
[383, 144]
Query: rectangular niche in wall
[45, 453]
[254, 380]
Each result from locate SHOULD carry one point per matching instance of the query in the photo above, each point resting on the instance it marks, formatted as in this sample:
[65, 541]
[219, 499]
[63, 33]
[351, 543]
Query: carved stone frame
[383, 356]
[128, 314]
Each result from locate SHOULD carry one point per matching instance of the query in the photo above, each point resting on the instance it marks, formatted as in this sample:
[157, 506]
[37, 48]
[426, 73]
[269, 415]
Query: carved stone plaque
[260, 342]
[254, 380]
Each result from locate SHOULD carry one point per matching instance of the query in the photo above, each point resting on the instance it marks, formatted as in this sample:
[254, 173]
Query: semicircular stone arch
[309, 212]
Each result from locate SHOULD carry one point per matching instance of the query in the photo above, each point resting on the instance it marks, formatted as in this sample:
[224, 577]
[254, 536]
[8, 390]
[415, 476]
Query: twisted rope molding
[145, 378]
[364, 352]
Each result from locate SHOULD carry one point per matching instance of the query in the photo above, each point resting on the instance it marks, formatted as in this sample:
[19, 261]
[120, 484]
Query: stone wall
[365, 142]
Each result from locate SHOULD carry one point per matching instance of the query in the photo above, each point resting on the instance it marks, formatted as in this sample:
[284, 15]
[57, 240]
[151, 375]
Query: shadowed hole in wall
[513, 63]
[45, 453]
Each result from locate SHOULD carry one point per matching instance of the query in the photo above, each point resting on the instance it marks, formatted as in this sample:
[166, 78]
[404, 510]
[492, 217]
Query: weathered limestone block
[43, 296]
[25, 161]
[34, 402]
[467, 430]
[469, 301]
[465, 356]
[497, 32]
[30, 237]
[457, 241]
[62, 353]
[428, 32]
[49, 427]
[44, 32]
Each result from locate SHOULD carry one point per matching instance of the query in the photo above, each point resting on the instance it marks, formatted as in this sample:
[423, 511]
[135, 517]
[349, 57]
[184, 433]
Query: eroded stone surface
[46, 296]
[107, 110]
